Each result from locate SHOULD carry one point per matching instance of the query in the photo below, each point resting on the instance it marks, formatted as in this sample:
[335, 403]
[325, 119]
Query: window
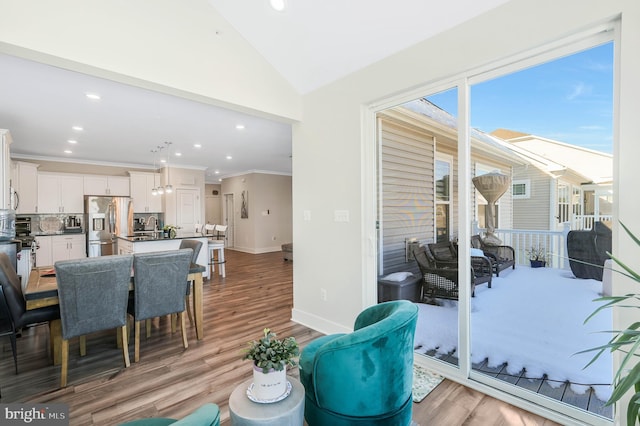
[443, 197]
[521, 188]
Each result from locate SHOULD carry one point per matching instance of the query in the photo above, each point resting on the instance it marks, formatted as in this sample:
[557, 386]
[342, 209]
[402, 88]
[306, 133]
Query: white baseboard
[317, 323]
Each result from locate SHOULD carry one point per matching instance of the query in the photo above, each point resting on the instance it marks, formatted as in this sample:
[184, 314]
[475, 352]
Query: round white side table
[288, 412]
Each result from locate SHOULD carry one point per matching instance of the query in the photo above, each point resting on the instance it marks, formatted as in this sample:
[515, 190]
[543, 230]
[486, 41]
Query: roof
[597, 166]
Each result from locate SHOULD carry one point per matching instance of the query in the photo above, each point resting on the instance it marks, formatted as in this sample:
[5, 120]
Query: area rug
[424, 381]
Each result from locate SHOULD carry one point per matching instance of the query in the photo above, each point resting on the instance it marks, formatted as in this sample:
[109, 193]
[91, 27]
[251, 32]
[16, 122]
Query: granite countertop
[40, 234]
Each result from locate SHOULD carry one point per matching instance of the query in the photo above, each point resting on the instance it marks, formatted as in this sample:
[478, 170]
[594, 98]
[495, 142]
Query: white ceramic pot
[269, 385]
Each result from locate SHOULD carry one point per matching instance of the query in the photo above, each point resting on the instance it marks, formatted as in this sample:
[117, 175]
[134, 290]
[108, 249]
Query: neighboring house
[419, 187]
[563, 183]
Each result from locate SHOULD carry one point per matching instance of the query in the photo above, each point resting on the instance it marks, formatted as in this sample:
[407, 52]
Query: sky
[569, 100]
[517, 321]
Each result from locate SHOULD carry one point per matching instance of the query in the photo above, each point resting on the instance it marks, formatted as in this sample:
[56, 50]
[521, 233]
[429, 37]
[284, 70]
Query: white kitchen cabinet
[106, 185]
[125, 246]
[68, 247]
[25, 185]
[53, 248]
[141, 186]
[60, 193]
[44, 251]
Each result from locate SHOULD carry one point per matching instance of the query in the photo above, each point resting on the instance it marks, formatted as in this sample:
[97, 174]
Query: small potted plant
[270, 357]
[169, 231]
[537, 256]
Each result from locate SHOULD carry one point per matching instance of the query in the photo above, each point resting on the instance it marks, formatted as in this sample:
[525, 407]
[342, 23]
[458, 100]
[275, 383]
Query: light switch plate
[307, 215]
[341, 216]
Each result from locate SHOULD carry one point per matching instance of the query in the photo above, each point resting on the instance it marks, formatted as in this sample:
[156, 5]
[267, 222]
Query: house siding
[406, 191]
[533, 212]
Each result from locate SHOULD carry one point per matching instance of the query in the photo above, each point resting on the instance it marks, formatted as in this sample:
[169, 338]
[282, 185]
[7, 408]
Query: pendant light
[154, 190]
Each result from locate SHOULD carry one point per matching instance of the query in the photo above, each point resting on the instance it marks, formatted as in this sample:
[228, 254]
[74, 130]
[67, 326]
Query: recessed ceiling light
[72, 141]
[217, 172]
[93, 96]
[197, 145]
[278, 5]
[163, 161]
[77, 128]
[220, 180]
[229, 157]
[178, 154]
[68, 151]
[240, 126]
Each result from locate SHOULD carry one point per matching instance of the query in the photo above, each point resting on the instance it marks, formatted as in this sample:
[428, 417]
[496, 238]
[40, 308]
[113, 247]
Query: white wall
[269, 209]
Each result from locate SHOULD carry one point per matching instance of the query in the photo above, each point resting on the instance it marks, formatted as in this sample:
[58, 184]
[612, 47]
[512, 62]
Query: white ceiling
[311, 43]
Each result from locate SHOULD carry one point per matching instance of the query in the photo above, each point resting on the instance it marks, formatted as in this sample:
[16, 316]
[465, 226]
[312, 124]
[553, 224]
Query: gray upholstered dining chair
[196, 246]
[13, 307]
[160, 288]
[93, 294]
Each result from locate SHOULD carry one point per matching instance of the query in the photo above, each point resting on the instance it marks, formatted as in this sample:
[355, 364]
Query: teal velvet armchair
[207, 415]
[364, 377]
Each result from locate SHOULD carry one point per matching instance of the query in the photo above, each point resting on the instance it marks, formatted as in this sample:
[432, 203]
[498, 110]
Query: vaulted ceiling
[311, 43]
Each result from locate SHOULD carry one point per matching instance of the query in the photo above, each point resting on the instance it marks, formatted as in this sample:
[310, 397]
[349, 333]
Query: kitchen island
[149, 242]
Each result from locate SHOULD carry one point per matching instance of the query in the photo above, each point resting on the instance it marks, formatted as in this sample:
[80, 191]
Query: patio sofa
[502, 257]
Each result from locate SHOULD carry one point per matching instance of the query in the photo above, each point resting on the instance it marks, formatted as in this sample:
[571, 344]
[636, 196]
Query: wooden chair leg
[124, 341]
[119, 338]
[65, 363]
[136, 343]
[174, 319]
[186, 301]
[183, 326]
[148, 328]
[83, 345]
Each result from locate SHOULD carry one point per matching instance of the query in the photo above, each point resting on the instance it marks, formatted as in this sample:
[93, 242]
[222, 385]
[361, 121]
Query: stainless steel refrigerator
[106, 218]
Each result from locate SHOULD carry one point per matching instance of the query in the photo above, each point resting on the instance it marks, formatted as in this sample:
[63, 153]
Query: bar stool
[216, 244]
[213, 261]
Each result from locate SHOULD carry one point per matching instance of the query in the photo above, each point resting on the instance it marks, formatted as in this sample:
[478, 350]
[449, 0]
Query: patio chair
[446, 254]
[440, 278]
[502, 257]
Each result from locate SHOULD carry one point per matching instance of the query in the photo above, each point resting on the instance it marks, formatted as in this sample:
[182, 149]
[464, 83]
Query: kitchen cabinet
[44, 251]
[59, 247]
[68, 247]
[125, 246]
[25, 185]
[106, 185]
[141, 186]
[60, 193]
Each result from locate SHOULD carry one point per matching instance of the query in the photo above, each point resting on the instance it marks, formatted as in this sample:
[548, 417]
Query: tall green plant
[626, 341]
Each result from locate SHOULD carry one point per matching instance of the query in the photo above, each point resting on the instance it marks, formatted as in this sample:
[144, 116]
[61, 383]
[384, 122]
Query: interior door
[188, 209]
[229, 219]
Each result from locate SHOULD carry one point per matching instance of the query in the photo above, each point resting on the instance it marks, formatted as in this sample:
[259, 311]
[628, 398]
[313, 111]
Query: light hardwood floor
[171, 381]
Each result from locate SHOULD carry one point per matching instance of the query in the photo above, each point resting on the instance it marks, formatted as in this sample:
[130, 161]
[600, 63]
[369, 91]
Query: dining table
[42, 290]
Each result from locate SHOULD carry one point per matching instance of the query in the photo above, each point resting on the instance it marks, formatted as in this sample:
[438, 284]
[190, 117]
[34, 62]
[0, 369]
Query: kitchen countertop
[159, 237]
[40, 234]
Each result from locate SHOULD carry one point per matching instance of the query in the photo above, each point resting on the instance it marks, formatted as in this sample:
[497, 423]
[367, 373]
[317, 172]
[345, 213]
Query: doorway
[478, 337]
[229, 219]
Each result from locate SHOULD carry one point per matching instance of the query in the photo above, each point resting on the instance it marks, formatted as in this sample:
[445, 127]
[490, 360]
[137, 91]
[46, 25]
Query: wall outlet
[323, 294]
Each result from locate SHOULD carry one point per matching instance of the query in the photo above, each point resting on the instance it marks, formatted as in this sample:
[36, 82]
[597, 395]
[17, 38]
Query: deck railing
[585, 221]
[522, 240]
